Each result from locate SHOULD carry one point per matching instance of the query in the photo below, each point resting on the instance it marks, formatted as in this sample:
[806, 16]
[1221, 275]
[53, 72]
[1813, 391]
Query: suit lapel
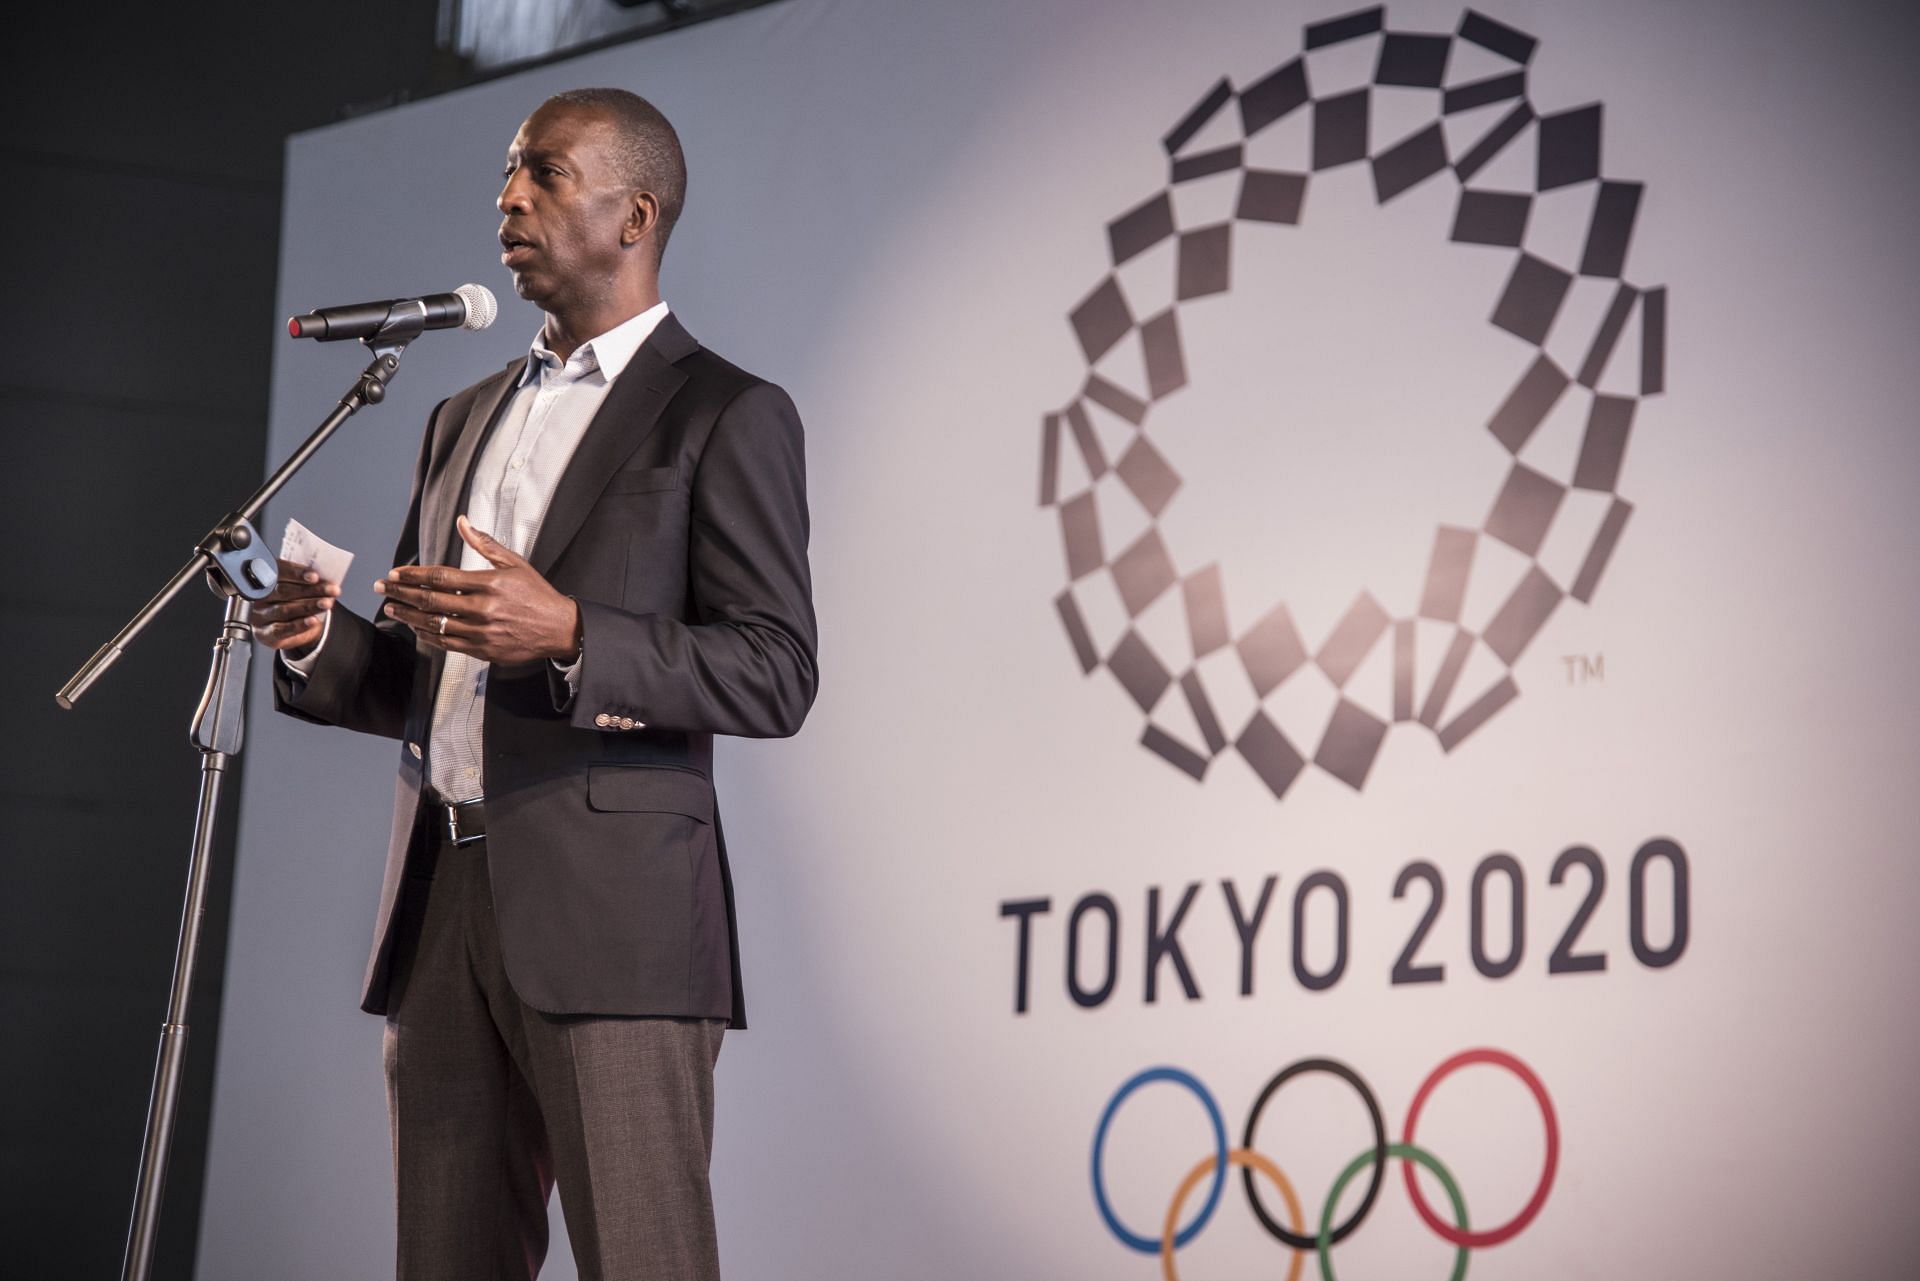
[625, 418]
[446, 494]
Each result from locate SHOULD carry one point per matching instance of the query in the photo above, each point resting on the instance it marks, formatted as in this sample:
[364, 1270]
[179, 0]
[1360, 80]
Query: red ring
[1506, 1231]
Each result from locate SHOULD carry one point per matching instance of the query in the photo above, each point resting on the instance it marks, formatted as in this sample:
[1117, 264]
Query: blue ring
[1151, 1245]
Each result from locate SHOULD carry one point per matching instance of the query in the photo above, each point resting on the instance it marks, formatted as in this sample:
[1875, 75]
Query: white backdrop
[893, 211]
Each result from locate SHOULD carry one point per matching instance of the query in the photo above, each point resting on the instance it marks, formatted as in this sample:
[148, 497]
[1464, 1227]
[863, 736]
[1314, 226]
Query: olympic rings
[1147, 1245]
[1246, 1160]
[1492, 1236]
[1460, 1235]
[1408, 1153]
[1352, 1078]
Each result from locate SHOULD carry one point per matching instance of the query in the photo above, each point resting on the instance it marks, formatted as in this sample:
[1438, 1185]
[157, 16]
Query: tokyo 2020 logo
[1105, 433]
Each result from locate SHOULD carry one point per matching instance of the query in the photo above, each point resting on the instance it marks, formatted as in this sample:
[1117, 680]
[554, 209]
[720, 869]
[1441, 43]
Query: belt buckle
[453, 827]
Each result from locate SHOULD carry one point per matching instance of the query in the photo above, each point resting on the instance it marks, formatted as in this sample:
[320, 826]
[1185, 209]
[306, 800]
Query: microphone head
[481, 306]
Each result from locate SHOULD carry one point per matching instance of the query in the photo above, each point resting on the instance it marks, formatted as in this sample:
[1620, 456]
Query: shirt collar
[609, 352]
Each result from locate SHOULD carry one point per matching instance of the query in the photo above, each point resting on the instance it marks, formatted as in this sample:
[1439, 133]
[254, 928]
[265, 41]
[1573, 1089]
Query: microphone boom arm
[234, 532]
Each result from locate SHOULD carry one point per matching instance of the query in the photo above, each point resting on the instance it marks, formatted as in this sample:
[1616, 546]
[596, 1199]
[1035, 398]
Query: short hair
[647, 150]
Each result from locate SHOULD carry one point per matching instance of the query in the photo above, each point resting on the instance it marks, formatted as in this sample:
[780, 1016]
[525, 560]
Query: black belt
[462, 824]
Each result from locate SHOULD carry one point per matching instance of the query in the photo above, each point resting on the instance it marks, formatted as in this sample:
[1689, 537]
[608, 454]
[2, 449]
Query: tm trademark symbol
[1585, 669]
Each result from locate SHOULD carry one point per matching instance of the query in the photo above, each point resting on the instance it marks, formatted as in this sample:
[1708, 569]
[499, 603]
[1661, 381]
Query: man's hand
[295, 615]
[507, 614]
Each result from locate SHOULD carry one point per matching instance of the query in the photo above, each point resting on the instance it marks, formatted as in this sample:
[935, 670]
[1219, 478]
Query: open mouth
[514, 249]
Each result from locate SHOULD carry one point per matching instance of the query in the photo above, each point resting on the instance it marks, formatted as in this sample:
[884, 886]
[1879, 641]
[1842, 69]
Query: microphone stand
[237, 568]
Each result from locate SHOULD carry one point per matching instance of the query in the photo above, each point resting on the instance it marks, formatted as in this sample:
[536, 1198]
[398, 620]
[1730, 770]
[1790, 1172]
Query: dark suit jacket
[680, 527]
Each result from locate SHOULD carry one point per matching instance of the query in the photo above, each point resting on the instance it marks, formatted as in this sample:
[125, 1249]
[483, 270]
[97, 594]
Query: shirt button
[517, 463]
[415, 749]
[602, 720]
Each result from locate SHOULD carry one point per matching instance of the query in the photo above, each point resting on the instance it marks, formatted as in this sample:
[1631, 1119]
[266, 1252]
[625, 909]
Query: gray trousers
[492, 1101]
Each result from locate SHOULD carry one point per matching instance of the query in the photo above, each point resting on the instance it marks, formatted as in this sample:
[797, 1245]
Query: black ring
[1352, 1078]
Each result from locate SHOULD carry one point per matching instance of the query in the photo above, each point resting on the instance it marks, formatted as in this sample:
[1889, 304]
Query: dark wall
[143, 156]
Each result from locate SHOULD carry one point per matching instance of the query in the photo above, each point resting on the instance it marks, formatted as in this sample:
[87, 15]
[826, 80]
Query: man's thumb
[486, 544]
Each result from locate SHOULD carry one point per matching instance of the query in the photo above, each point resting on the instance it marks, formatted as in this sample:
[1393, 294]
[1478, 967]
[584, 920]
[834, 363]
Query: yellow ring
[1248, 1159]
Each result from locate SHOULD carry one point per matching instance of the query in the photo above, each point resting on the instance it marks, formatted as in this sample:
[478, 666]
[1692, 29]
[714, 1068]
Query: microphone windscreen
[481, 306]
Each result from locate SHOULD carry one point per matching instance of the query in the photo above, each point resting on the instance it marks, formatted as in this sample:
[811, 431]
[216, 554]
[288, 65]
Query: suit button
[415, 749]
[626, 722]
[603, 720]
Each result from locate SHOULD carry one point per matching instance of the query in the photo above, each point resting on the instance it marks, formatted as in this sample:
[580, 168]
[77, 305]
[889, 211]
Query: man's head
[646, 150]
[595, 180]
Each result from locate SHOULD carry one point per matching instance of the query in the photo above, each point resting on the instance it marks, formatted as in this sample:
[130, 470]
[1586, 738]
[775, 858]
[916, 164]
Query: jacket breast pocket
[642, 480]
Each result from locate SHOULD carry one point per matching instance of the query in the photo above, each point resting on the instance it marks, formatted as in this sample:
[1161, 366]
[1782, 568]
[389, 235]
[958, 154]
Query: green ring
[1406, 1152]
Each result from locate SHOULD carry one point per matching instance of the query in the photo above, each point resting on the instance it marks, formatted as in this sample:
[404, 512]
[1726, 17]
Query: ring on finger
[443, 624]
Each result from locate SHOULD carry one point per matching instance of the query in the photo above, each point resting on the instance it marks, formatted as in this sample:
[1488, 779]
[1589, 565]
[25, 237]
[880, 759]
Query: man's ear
[643, 215]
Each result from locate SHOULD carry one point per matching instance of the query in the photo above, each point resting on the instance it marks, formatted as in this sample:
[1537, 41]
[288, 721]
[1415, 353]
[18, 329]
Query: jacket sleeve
[744, 661]
[362, 679]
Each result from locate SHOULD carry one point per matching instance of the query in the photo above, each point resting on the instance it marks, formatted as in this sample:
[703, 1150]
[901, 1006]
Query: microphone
[468, 307]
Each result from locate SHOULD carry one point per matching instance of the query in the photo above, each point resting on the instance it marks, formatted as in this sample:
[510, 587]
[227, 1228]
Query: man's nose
[513, 197]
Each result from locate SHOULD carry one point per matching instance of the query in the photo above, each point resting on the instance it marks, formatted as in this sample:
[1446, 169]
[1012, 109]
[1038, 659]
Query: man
[603, 565]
